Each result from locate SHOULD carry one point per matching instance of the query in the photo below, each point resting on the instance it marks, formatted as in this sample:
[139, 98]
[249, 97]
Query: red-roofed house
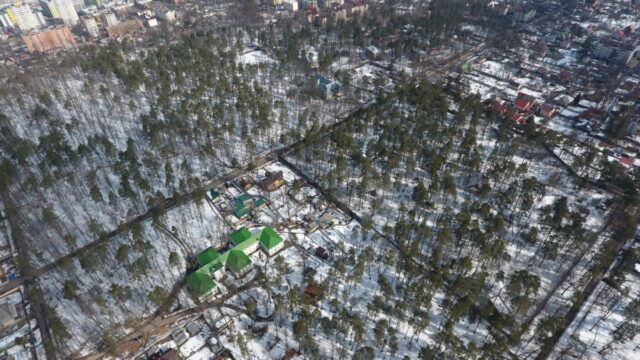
[626, 161]
[547, 111]
[519, 118]
[565, 75]
[522, 104]
[500, 108]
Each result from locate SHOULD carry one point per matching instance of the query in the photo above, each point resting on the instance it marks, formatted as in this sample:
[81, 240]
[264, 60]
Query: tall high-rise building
[46, 40]
[61, 9]
[41, 19]
[97, 3]
[67, 11]
[6, 20]
[79, 4]
[23, 17]
[91, 25]
[49, 8]
[109, 19]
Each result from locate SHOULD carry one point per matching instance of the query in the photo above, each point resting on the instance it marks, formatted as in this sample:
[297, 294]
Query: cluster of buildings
[21, 336]
[57, 24]
[243, 244]
[320, 11]
[578, 77]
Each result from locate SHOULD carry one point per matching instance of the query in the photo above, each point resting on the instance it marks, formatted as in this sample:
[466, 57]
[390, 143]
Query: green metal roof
[269, 238]
[240, 235]
[241, 212]
[241, 209]
[214, 194]
[242, 198]
[207, 256]
[237, 260]
[200, 283]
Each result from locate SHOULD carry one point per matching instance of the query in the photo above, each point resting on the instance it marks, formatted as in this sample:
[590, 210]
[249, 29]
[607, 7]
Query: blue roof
[323, 80]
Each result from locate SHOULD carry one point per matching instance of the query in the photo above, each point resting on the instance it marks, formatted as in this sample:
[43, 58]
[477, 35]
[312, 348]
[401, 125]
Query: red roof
[521, 103]
[565, 75]
[626, 161]
[587, 115]
[517, 117]
[314, 290]
[500, 108]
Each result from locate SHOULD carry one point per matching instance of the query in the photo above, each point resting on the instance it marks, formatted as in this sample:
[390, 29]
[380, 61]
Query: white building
[152, 22]
[308, 4]
[109, 18]
[23, 17]
[67, 11]
[78, 5]
[273, 250]
[291, 5]
[5, 20]
[41, 19]
[61, 9]
[91, 26]
[168, 16]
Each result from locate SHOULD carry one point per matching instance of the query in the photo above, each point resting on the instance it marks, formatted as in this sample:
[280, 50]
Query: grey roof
[7, 312]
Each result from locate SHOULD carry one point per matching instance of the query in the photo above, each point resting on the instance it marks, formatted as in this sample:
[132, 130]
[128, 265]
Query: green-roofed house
[240, 235]
[238, 262]
[270, 241]
[244, 203]
[201, 284]
[213, 264]
[214, 196]
[207, 256]
[242, 239]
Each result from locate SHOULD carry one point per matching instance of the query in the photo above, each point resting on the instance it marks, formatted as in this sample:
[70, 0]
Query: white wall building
[5, 20]
[23, 17]
[91, 26]
[61, 9]
[291, 5]
[274, 249]
[109, 18]
[168, 16]
[78, 5]
[41, 19]
[67, 11]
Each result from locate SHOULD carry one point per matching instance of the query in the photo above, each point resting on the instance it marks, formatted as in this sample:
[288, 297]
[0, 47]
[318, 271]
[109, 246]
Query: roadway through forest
[171, 203]
[32, 274]
[261, 160]
[154, 322]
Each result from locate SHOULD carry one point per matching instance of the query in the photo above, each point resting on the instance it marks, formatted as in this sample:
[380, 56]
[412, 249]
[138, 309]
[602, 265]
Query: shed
[314, 291]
